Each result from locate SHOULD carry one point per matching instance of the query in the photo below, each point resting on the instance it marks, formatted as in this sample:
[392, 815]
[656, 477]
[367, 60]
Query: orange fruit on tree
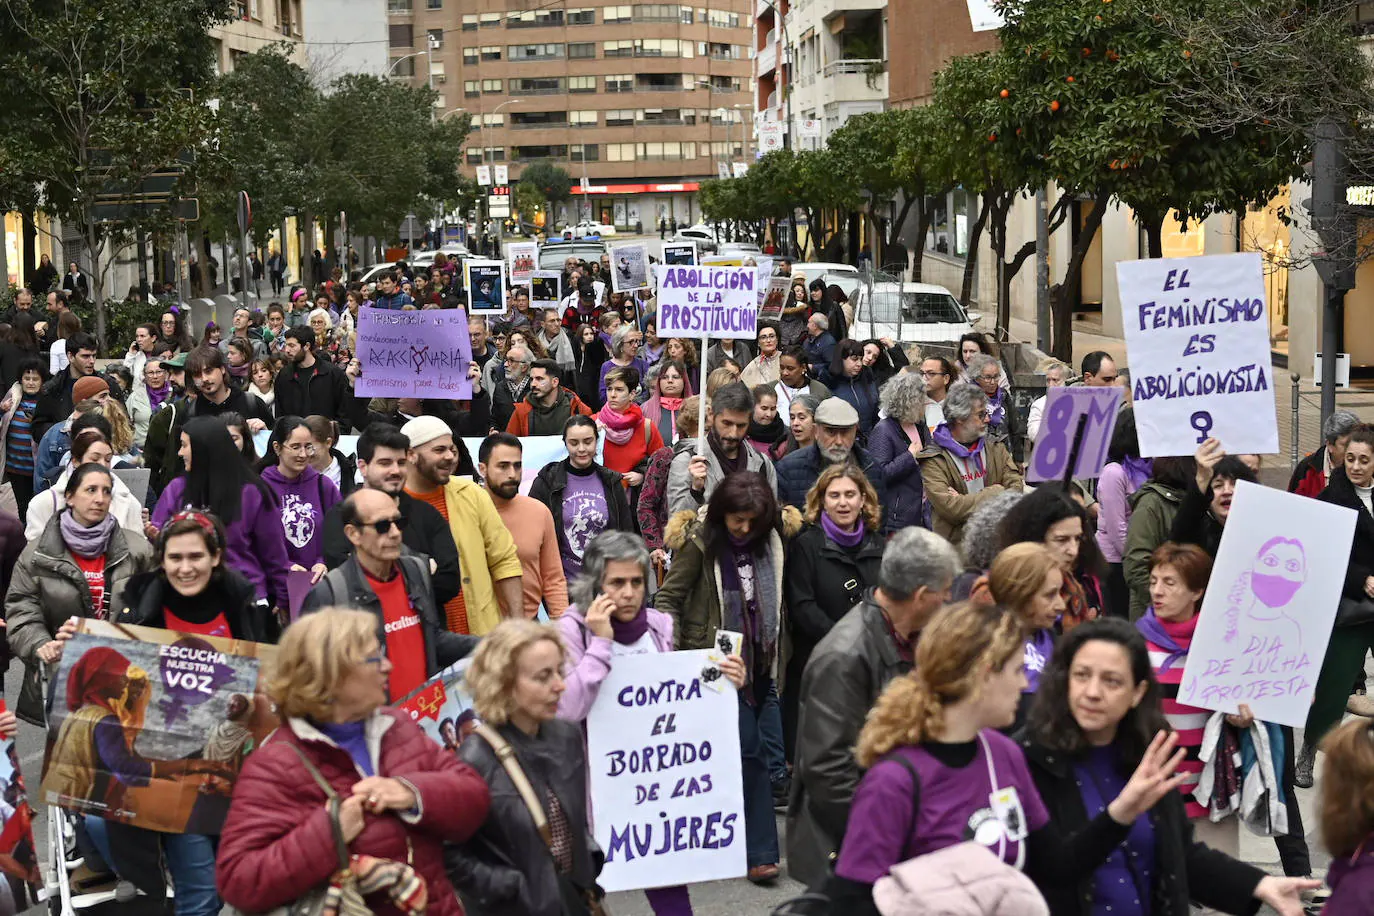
[1068, 79]
[1054, 106]
[1005, 93]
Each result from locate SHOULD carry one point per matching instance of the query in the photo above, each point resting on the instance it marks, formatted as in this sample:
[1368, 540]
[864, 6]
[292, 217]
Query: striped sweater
[1188, 721]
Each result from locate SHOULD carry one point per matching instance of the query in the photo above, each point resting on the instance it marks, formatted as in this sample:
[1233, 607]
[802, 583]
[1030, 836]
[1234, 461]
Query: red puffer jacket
[277, 842]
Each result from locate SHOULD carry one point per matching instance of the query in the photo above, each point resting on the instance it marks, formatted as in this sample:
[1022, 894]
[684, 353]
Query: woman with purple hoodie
[304, 494]
[219, 481]
[612, 587]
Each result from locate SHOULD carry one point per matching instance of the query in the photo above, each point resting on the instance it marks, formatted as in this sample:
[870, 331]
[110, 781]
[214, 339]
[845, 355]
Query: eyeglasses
[308, 448]
[383, 526]
[374, 660]
[931, 373]
[989, 378]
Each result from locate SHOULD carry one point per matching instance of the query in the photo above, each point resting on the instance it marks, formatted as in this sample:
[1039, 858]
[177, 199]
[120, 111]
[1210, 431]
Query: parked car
[587, 228]
[553, 253]
[703, 235]
[910, 313]
[739, 250]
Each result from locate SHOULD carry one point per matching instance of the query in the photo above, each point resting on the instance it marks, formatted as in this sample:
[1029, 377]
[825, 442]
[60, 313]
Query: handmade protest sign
[150, 727]
[1065, 409]
[680, 253]
[546, 289]
[524, 258]
[1275, 587]
[486, 286]
[1197, 337]
[442, 706]
[715, 301]
[422, 354]
[667, 794]
[629, 268]
[20, 879]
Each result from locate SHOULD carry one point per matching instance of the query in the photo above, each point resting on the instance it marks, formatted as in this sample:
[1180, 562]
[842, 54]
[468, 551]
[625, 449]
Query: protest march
[528, 591]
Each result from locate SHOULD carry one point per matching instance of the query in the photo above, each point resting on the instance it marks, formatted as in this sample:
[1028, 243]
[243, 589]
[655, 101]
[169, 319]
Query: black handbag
[1352, 612]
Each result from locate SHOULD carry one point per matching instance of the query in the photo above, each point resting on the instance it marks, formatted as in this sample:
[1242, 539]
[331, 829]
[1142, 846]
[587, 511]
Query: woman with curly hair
[331, 343]
[894, 444]
[1049, 517]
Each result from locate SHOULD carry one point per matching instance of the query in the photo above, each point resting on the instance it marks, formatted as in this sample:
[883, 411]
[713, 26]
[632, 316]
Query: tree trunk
[918, 247]
[92, 236]
[975, 235]
[1153, 224]
[1061, 295]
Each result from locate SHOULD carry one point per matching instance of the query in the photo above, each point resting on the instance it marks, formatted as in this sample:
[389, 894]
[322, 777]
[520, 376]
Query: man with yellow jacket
[489, 565]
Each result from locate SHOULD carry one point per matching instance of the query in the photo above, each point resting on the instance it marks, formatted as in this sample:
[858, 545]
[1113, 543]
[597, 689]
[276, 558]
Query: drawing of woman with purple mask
[1277, 575]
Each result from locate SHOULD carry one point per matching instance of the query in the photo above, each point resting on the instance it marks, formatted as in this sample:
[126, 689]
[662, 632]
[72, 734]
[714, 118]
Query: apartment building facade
[642, 100]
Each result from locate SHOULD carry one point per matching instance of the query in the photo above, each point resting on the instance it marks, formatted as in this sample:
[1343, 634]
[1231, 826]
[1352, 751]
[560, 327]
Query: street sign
[741, 169]
[484, 175]
[245, 212]
[498, 201]
[770, 137]
[125, 209]
[809, 128]
[501, 174]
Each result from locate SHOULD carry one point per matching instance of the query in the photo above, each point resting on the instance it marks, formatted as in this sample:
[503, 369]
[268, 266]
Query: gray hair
[734, 397]
[979, 363]
[618, 338]
[903, 398]
[1340, 423]
[606, 547]
[324, 313]
[527, 358]
[820, 321]
[981, 541]
[1050, 365]
[809, 401]
[963, 400]
[917, 558]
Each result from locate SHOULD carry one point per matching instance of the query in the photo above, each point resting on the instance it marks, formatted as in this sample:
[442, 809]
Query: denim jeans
[190, 859]
[770, 725]
[760, 825]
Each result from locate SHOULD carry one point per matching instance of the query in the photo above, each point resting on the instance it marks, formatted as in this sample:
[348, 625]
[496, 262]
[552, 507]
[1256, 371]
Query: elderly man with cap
[837, 426]
[492, 577]
[961, 467]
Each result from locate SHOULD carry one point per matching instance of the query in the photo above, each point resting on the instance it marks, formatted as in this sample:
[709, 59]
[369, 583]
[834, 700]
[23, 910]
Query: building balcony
[829, 9]
[767, 58]
[853, 81]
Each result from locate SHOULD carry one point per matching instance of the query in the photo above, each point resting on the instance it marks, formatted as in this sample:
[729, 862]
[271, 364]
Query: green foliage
[122, 318]
[553, 182]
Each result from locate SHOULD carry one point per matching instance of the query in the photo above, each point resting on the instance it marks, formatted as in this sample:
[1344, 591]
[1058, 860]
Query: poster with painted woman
[1267, 616]
[20, 879]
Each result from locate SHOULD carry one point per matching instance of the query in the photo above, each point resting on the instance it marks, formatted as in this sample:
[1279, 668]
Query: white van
[910, 312]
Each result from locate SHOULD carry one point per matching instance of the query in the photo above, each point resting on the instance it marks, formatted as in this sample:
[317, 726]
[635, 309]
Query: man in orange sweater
[547, 407]
[500, 461]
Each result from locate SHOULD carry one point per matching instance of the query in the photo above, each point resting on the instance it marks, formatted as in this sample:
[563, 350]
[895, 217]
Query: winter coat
[164, 430]
[503, 399]
[15, 395]
[588, 658]
[1153, 508]
[322, 389]
[743, 354]
[124, 506]
[690, 595]
[848, 671]
[966, 879]
[940, 472]
[1194, 522]
[11, 546]
[799, 470]
[890, 448]
[1352, 885]
[681, 496]
[277, 842]
[529, 419]
[1339, 491]
[48, 587]
[823, 582]
[586, 376]
[1184, 869]
[1309, 477]
[145, 605]
[652, 509]
[505, 868]
[552, 482]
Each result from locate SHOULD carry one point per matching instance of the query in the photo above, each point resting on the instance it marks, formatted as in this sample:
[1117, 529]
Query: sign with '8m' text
[667, 793]
[1197, 336]
[1065, 409]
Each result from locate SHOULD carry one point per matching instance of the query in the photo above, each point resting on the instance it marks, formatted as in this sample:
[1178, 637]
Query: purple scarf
[1152, 628]
[157, 395]
[839, 535]
[943, 438]
[86, 543]
[996, 408]
[630, 632]
[1138, 470]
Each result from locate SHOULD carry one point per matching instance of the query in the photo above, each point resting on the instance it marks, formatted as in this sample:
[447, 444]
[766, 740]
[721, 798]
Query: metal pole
[1293, 457]
[1331, 343]
[1042, 271]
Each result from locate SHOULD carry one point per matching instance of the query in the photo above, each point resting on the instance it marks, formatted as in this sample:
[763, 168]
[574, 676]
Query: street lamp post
[428, 52]
[487, 159]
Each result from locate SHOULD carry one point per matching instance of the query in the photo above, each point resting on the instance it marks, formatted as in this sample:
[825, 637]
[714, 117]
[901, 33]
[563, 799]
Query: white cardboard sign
[1262, 633]
[667, 793]
[1197, 338]
[702, 301]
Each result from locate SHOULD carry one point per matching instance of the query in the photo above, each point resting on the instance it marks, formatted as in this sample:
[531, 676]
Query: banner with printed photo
[485, 282]
[546, 289]
[21, 882]
[680, 253]
[419, 354]
[442, 706]
[775, 298]
[524, 260]
[150, 727]
[629, 268]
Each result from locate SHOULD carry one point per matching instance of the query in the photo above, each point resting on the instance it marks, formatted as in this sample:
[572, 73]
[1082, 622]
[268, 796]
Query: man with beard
[383, 459]
[492, 577]
[692, 477]
[960, 467]
[548, 405]
[510, 385]
[307, 386]
[500, 461]
[214, 395]
[837, 426]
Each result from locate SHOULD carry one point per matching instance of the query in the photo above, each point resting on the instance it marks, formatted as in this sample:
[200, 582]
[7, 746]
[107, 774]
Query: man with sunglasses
[379, 579]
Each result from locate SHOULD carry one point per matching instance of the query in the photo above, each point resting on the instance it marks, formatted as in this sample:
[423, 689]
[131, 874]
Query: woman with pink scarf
[630, 439]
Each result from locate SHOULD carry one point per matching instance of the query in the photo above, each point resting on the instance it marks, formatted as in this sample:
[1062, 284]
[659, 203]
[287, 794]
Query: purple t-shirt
[1121, 884]
[955, 805]
[585, 515]
[1038, 649]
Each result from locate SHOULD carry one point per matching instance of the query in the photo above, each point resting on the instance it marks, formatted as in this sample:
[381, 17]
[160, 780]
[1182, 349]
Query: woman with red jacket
[402, 795]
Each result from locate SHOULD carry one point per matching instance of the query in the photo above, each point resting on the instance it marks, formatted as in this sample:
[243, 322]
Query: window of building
[620, 152]
[582, 118]
[546, 85]
[622, 48]
[726, 149]
[581, 84]
[535, 52]
[613, 14]
[554, 151]
[491, 20]
[665, 82]
[440, 102]
[474, 156]
[534, 19]
[660, 116]
[718, 50]
[491, 85]
[436, 73]
[401, 35]
[491, 52]
[534, 119]
[469, 22]
[620, 117]
[724, 84]
[586, 16]
[620, 82]
[471, 89]
[493, 120]
[398, 6]
[662, 47]
[662, 12]
[434, 4]
[584, 152]
[496, 154]
[722, 19]
[581, 50]
[435, 37]
[403, 66]
[669, 151]
[470, 55]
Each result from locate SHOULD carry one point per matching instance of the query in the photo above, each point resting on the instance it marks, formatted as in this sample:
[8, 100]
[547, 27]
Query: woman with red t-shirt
[191, 590]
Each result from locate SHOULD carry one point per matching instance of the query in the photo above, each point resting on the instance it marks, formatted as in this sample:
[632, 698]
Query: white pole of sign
[701, 391]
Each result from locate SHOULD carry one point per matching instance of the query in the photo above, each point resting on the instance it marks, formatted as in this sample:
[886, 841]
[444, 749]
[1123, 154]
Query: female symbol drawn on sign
[1202, 422]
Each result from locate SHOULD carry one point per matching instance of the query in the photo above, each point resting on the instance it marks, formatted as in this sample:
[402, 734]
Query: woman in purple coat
[612, 587]
[894, 444]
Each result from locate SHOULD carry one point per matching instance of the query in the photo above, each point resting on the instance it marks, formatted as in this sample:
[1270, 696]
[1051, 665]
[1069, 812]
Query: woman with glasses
[764, 369]
[985, 372]
[147, 397]
[304, 494]
[625, 345]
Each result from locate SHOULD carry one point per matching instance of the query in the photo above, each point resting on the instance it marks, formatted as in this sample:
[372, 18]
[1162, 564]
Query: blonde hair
[121, 429]
[719, 378]
[314, 656]
[871, 514]
[1018, 573]
[958, 648]
[689, 417]
[495, 664]
[1347, 804]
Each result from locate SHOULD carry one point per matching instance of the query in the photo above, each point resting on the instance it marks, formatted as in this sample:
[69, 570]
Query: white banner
[740, 169]
[667, 794]
[715, 301]
[1197, 340]
[809, 128]
[501, 173]
[484, 175]
[1262, 633]
[770, 137]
